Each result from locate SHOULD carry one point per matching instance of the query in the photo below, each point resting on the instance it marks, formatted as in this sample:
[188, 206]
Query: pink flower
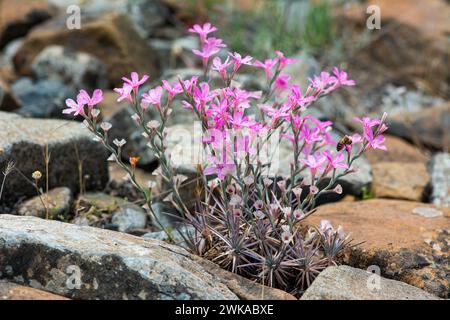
[267, 66]
[341, 77]
[297, 99]
[323, 81]
[238, 60]
[367, 122]
[284, 61]
[220, 67]
[124, 92]
[153, 97]
[336, 161]
[222, 169]
[211, 47]
[203, 31]
[282, 82]
[74, 107]
[375, 142]
[97, 97]
[172, 91]
[313, 162]
[135, 83]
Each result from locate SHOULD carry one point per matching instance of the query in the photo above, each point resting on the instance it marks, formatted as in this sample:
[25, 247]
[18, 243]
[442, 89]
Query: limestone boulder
[73, 156]
[407, 240]
[91, 263]
[347, 283]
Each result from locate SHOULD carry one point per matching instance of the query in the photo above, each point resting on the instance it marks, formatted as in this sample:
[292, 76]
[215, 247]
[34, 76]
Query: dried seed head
[37, 175]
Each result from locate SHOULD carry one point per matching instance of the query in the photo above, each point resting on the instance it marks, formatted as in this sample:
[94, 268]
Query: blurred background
[48, 53]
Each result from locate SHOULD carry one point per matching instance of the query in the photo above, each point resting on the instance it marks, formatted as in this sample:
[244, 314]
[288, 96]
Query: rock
[178, 235]
[111, 38]
[398, 151]
[59, 204]
[416, 60]
[42, 99]
[147, 15]
[23, 142]
[347, 283]
[128, 217]
[175, 53]
[19, 16]
[166, 214]
[112, 265]
[399, 180]
[427, 212]
[399, 99]
[13, 291]
[391, 236]
[440, 179]
[92, 7]
[102, 210]
[429, 127]
[8, 100]
[76, 69]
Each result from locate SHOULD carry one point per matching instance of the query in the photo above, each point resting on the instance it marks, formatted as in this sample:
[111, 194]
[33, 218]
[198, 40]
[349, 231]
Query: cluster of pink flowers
[233, 138]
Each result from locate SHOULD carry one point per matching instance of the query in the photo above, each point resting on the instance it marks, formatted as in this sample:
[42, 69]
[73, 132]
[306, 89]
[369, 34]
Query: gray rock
[166, 214]
[178, 235]
[427, 212]
[23, 142]
[128, 217]
[58, 202]
[112, 265]
[146, 15]
[42, 99]
[347, 283]
[428, 127]
[78, 70]
[440, 179]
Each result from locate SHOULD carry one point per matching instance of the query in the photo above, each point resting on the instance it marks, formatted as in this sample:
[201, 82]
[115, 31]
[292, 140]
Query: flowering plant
[247, 217]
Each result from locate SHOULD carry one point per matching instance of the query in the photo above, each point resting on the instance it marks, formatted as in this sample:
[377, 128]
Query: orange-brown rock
[19, 16]
[411, 48]
[111, 38]
[409, 241]
[12, 291]
[431, 127]
[398, 151]
[399, 180]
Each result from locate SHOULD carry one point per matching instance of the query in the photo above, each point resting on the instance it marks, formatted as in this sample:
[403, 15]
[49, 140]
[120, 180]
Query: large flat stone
[408, 240]
[112, 265]
[347, 283]
[23, 141]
